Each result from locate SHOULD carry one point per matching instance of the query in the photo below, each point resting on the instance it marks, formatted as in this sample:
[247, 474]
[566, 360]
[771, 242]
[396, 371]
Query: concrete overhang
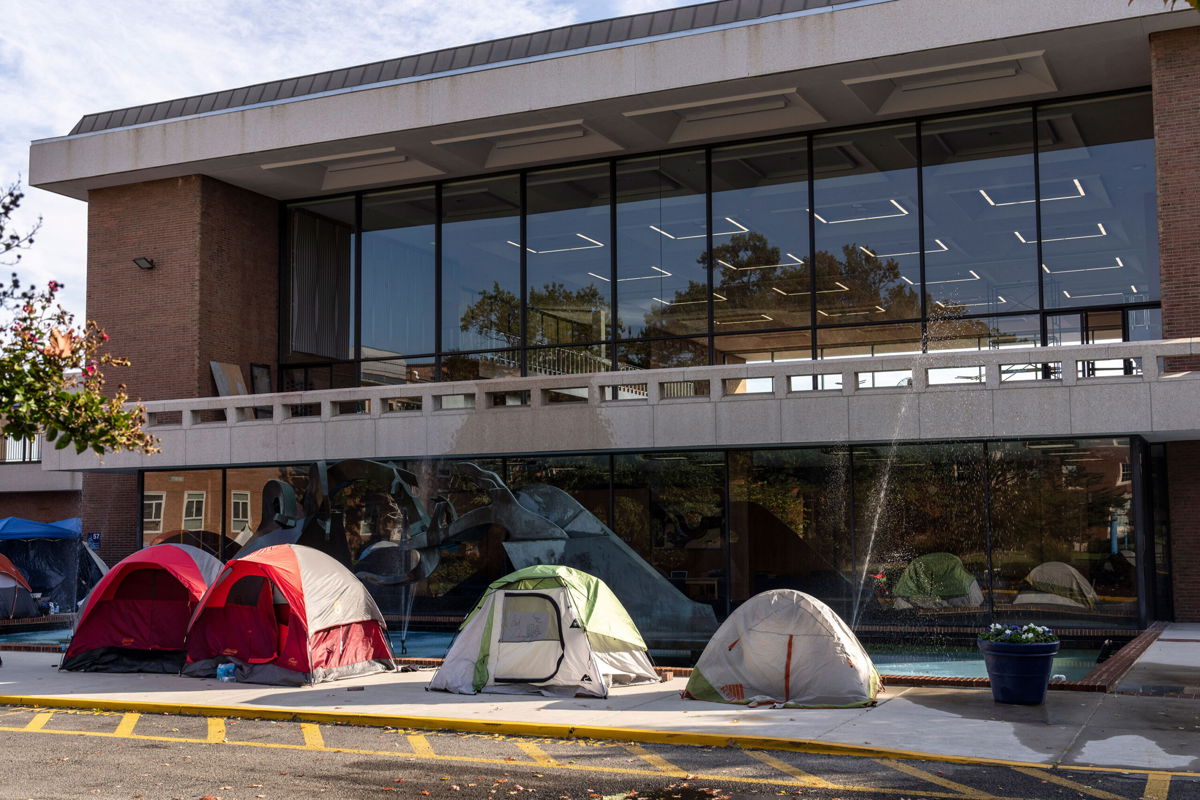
[30, 477]
[856, 64]
[952, 396]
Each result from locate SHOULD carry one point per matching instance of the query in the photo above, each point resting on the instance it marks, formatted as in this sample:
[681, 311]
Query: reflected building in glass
[896, 326]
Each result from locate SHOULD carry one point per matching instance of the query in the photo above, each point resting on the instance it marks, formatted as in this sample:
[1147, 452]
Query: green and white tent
[785, 648]
[546, 629]
[937, 580]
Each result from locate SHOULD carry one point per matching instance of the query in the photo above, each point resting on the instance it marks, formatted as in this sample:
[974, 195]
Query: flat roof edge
[452, 72]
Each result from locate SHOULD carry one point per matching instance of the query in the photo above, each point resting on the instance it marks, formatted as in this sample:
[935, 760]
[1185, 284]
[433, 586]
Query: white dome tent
[785, 648]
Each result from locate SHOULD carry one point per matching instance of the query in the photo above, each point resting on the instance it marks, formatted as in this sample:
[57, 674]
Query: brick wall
[111, 506]
[39, 506]
[1183, 493]
[211, 297]
[1175, 70]
[1175, 75]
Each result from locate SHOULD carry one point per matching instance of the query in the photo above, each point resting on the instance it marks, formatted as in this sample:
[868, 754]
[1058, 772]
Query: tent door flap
[530, 647]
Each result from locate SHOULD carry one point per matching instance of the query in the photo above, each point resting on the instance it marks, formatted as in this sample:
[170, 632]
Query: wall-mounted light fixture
[144, 263]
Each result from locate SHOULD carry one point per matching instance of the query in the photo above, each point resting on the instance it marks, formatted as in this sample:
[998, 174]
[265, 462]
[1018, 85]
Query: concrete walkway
[1072, 728]
[1171, 665]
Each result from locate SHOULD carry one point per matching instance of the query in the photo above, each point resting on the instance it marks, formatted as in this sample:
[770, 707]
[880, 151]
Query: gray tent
[1057, 583]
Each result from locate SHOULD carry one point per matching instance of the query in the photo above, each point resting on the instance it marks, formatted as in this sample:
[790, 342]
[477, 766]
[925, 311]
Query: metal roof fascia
[465, 70]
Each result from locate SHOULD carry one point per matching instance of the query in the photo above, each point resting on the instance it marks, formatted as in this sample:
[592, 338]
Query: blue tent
[17, 528]
[60, 568]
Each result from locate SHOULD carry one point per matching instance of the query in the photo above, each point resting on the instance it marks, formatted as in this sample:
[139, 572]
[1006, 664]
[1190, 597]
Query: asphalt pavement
[73, 754]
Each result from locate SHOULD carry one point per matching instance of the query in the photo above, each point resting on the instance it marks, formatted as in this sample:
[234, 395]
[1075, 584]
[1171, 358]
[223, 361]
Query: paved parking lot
[129, 755]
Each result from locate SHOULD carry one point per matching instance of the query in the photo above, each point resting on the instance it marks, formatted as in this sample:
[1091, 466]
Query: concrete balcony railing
[1090, 390]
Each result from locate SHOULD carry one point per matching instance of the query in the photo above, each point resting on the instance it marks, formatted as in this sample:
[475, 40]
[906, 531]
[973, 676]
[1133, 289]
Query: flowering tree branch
[52, 372]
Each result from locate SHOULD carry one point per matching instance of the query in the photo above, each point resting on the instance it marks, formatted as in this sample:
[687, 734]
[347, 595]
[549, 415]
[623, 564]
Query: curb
[550, 731]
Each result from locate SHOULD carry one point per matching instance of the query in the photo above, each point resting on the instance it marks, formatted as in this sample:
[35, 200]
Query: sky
[61, 59]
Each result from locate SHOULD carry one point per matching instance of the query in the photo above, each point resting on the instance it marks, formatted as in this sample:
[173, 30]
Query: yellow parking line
[537, 754]
[39, 721]
[1047, 775]
[312, 736]
[216, 730]
[805, 778]
[422, 749]
[656, 761]
[1157, 786]
[127, 724]
[917, 772]
[420, 746]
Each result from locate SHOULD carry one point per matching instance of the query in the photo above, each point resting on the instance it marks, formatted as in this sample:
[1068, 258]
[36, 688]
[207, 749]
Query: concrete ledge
[312, 426]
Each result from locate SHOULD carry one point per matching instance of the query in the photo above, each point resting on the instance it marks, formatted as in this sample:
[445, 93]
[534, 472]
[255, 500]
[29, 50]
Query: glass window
[869, 340]
[239, 511]
[984, 333]
[1143, 324]
[1063, 532]
[920, 534]
[867, 245]
[567, 360]
[568, 255]
[663, 354]
[978, 188]
[398, 264]
[152, 512]
[788, 525]
[186, 517]
[480, 366]
[321, 308]
[246, 491]
[662, 252]
[481, 264]
[193, 511]
[398, 370]
[669, 508]
[763, 348]
[583, 478]
[760, 236]
[1098, 204]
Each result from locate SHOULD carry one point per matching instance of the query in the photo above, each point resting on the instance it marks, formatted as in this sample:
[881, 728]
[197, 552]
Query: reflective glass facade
[1024, 226]
[937, 537]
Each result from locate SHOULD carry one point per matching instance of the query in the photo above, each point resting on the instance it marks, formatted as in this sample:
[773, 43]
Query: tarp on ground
[546, 629]
[785, 648]
[136, 618]
[287, 615]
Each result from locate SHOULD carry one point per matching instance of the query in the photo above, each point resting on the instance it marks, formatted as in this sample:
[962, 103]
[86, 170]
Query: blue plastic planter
[1019, 673]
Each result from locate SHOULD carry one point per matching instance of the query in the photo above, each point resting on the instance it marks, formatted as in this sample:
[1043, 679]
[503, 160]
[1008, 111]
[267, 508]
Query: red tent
[289, 615]
[16, 596]
[136, 618]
